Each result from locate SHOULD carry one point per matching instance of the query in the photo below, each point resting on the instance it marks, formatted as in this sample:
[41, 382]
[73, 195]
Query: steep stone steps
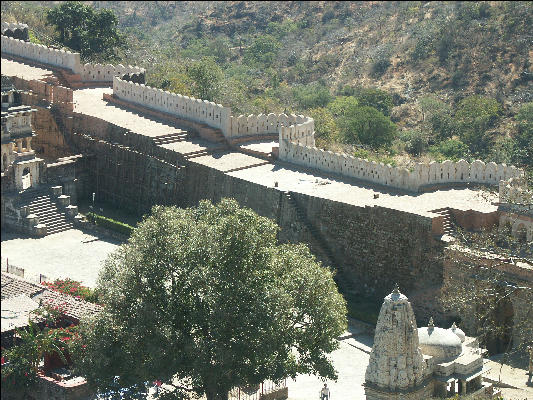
[179, 136]
[42, 205]
[204, 152]
[447, 224]
[316, 237]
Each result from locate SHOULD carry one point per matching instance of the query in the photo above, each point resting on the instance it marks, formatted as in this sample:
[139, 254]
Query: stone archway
[26, 178]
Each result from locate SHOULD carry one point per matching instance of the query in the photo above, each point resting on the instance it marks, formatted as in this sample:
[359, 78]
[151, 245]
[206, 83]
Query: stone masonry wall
[423, 175]
[50, 142]
[214, 115]
[67, 60]
[129, 174]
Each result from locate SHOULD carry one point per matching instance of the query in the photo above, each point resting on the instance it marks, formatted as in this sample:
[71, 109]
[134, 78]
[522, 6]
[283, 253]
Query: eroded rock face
[396, 362]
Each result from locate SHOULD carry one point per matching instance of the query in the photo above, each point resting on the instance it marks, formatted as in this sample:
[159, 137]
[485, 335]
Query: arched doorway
[26, 178]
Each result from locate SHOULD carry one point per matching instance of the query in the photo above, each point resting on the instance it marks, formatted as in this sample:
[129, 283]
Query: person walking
[324, 393]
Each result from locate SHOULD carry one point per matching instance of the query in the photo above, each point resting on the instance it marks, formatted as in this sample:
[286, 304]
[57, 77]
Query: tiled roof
[70, 306]
[16, 311]
[13, 286]
[18, 293]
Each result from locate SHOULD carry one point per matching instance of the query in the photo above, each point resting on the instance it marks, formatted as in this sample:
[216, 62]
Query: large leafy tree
[84, 29]
[207, 295]
[206, 76]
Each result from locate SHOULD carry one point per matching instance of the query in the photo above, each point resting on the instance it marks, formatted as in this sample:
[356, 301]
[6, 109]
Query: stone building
[20, 166]
[415, 364]
[29, 204]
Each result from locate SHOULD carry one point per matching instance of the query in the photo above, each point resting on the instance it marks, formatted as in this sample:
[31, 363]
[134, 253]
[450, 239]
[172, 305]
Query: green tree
[437, 117]
[325, 126]
[84, 29]
[343, 106]
[368, 126]
[452, 149]
[379, 99]
[524, 136]
[475, 115]
[310, 96]
[262, 51]
[207, 78]
[207, 294]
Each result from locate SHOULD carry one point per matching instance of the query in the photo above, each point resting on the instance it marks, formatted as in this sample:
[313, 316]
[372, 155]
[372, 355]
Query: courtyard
[69, 254]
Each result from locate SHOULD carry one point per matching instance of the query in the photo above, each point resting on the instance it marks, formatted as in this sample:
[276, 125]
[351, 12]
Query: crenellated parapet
[15, 30]
[66, 60]
[422, 176]
[203, 111]
[515, 191]
[265, 124]
[42, 54]
[106, 73]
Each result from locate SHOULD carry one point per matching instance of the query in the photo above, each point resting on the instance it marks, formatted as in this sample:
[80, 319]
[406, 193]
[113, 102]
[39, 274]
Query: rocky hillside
[301, 56]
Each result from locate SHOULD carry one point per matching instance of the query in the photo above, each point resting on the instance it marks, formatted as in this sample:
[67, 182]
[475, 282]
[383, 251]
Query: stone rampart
[42, 54]
[515, 191]
[207, 112]
[262, 124]
[67, 60]
[36, 91]
[12, 26]
[423, 175]
[106, 73]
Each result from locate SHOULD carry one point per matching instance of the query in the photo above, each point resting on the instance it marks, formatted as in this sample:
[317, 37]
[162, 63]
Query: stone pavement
[68, 254]
[350, 361]
[522, 384]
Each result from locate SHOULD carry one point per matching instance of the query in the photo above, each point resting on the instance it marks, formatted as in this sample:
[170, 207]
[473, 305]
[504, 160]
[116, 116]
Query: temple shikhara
[417, 364]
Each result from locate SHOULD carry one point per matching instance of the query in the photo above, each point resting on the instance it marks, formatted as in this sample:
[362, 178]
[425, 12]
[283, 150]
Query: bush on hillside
[368, 126]
[475, 115]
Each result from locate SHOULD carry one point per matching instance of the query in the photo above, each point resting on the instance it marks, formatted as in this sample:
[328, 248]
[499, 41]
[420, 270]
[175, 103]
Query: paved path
[68, 254]
[350, 361]
[516, 377]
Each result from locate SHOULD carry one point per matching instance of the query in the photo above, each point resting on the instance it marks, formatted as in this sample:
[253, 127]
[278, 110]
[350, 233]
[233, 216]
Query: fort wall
[67, 60]
[203, 111]
[423, 175]
[129, 174]
[262, 124]
[41, 53]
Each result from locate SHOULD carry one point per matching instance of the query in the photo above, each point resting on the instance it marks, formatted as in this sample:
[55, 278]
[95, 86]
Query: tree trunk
[216, 394]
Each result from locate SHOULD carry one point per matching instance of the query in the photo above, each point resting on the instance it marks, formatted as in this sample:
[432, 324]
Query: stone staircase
[47, 210]
[317, 240]
[204, 152]
[175, 137]
[447, 224]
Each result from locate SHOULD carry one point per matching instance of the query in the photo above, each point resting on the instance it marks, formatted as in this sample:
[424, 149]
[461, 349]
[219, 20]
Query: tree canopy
[206, 76]
[207, 294]
[84, 29]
